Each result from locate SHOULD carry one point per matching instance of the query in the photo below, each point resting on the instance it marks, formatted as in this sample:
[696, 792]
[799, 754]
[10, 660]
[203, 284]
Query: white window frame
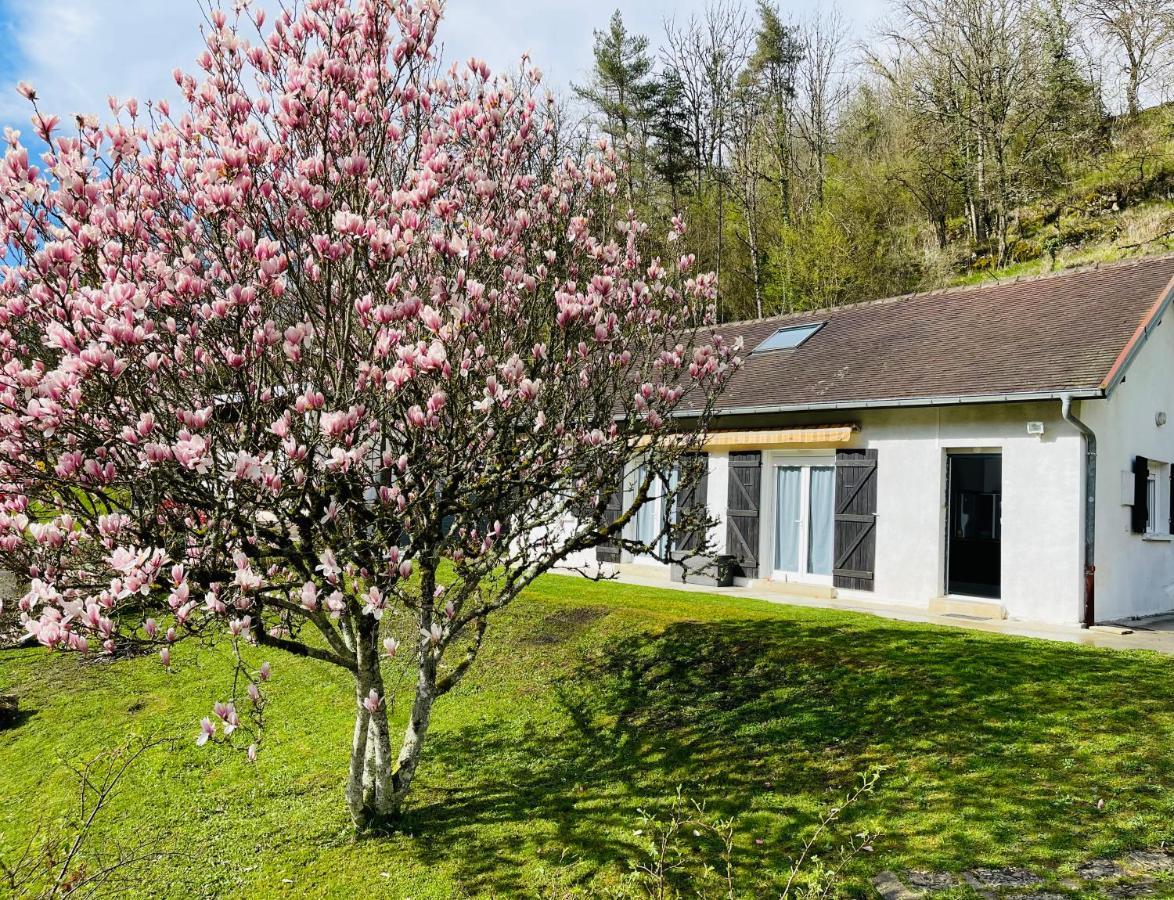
[655, 506]
[1158, 499]
[805, 462]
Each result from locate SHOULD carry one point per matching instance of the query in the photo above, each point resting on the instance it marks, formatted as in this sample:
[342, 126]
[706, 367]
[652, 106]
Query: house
[999, 451]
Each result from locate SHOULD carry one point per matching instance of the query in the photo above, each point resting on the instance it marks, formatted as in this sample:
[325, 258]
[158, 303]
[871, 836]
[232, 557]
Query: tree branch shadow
[758, 718]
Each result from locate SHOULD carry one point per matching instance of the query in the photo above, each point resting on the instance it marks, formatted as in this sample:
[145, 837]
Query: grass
[591, 702]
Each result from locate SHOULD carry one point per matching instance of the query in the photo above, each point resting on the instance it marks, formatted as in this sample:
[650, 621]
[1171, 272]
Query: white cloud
[78, 52]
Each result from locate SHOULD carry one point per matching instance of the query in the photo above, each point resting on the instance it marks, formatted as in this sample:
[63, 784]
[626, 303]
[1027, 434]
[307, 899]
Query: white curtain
[821, 520]
[651, 517]
[666, 510]
[788, 488]
[646, 514]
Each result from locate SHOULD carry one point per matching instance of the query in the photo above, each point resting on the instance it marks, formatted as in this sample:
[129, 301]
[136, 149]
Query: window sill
[1158, 538]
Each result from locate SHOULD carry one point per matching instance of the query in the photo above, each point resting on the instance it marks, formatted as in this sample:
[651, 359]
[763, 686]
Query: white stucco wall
[1042, 569]
[1041, 521]
[717, 494]
[1134, 576]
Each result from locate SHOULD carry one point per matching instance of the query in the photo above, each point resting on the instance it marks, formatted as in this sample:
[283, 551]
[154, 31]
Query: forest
[955, 141]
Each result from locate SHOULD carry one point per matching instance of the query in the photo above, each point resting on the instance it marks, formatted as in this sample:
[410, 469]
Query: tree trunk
[376, 789]
[361, 813]
[752, 240]
[1133, 91]
[418, 722]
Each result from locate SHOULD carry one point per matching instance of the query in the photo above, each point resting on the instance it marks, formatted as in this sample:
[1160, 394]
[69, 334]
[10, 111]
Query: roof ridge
[814, 314]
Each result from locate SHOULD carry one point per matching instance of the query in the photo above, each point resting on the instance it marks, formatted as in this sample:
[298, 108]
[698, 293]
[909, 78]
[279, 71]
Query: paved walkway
[1142, 873]
[1155, 633]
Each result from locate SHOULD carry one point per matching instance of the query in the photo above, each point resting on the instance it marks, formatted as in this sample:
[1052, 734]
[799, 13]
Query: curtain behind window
[788, 488]
[821, 521]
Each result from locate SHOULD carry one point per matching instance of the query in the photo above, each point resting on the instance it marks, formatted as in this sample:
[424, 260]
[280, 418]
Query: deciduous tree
[1142, 30]
[335, 350]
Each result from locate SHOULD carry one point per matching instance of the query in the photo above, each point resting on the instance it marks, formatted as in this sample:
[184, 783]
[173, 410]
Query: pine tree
[623, 89]
[672, 153]
[1072, 111]
[770, 78]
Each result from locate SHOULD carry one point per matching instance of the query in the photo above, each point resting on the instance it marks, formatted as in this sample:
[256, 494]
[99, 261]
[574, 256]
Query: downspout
[1088, 617]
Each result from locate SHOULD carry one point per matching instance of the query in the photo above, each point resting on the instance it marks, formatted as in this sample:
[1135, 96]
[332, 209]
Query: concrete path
[1155, 633]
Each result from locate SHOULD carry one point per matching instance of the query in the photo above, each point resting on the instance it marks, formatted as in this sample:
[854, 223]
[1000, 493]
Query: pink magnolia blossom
[207, 731]
[337, 323]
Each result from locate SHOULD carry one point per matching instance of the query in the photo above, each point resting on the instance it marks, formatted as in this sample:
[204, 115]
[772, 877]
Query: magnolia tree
[334, 352]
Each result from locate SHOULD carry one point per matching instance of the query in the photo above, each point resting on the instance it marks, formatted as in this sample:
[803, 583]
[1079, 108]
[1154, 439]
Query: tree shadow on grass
[997, 749]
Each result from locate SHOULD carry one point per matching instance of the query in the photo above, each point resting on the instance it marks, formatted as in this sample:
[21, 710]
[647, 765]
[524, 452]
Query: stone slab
[1150, 861]
[930, 881]
[1007, 877]
[889, 886]
[1127, 889]
[1099, 870]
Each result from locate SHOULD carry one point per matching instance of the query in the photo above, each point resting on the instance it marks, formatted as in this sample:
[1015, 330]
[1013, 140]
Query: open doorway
[974, 535]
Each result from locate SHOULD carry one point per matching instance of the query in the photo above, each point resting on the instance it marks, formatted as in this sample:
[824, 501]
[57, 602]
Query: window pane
[977, 516]
[665, 491]
[788, 485]
[1151, 496]
[821, 520]
[788, 338]
[646, 514]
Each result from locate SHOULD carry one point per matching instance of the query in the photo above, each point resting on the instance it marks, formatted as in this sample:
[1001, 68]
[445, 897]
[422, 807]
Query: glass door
[788, 518]
[974, 539]
[648, 525]
[804, 521]
[821, 520]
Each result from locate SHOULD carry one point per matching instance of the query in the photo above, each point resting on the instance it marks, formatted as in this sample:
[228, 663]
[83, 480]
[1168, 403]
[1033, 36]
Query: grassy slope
[1121, 205]
[591, 701]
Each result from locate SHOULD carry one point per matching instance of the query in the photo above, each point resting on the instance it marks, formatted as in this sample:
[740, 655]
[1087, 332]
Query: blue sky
[77, 52]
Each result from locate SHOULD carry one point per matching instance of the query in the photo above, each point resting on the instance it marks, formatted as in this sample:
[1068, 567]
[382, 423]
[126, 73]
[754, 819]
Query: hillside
[961, 142]
[1121, 204]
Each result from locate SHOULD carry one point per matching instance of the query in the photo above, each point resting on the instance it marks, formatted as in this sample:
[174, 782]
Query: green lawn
[591, 702]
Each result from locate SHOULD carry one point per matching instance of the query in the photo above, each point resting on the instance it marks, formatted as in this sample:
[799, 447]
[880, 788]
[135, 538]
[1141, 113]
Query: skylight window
[789, 338]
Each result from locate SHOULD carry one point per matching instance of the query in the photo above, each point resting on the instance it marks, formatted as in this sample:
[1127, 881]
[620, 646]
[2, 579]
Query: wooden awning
[809, 435]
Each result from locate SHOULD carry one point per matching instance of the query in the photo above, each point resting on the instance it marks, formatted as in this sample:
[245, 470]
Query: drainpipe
[1088, 617]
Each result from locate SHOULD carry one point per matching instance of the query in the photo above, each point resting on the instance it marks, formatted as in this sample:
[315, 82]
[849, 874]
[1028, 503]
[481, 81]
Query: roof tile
[1055, 333]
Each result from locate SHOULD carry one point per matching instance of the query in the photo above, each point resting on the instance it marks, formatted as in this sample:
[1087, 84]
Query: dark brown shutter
[855, 528]
[692, 498]
[610, 553]
[742, 511]
[1140, 515]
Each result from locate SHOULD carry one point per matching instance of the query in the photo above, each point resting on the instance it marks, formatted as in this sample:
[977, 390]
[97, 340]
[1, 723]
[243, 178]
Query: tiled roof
[1039, 335]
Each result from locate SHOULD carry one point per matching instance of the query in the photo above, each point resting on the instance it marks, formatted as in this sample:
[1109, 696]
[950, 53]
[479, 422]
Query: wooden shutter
[610, 553]
[855, 528]
[742, 513]
[695, 497]
[1140, 515]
